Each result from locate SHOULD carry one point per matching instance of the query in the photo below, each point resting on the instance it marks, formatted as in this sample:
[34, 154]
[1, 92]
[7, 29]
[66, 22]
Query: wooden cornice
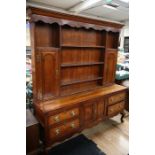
[60, 15]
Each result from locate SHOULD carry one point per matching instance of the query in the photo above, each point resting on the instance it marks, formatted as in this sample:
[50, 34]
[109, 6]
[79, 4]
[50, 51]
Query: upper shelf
[81, 64]
[82, 46]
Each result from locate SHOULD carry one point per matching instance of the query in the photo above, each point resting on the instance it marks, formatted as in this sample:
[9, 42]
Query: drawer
[116, 98]
[116, 108]
[64, 129]
[63, 116]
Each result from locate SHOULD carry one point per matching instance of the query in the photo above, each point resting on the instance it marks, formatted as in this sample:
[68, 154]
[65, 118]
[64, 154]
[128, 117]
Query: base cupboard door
[90, 111]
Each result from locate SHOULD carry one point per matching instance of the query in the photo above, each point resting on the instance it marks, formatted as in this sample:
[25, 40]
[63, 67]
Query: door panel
[48, 73]
[110, 66]
[89, 112]
[100, 109]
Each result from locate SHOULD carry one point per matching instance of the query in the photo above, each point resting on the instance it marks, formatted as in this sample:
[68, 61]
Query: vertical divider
[59, 59]
[105, 55]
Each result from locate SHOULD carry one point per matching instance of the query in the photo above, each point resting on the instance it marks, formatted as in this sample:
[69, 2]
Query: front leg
[122, 117]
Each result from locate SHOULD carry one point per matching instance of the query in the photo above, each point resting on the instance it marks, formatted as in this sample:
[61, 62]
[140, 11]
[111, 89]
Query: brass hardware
[57, 131]
[72, 113]
[72, 125]
[56, 118]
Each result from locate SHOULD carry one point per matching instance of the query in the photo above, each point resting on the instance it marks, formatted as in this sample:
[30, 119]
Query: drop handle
[56, 118]
[72, 125]
[57, 131]
[72, 113]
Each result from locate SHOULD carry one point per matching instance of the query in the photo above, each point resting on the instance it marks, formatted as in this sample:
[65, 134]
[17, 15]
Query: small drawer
[116, 108]
[63, 116]
[64, 129]
[116, 98]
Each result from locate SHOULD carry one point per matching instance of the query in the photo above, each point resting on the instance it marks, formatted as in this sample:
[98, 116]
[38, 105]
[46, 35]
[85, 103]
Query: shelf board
[47, 47]
[81, 64]
[80, 90]
[80, 81]
[82, 46]
[112, 49]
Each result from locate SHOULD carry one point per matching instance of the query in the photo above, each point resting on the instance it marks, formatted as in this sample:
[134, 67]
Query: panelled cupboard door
[100, 109]
[110, 66]
[89, 112]
[48, 74]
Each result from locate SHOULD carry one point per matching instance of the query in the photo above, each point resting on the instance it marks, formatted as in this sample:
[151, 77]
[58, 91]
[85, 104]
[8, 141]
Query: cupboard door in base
[100, 109]
[89, 112]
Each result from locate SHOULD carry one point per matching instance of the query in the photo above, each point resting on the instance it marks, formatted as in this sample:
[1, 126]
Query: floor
[111, 136]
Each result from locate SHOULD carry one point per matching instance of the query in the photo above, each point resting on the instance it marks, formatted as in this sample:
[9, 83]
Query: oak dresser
[73, 63]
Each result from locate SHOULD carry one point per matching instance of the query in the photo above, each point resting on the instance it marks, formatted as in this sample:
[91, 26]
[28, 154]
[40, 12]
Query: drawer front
[64, 129]
[63, 116]
[116, 98]
[116, 108]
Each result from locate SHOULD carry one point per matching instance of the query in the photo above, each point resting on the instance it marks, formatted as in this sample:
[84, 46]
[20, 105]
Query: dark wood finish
[89, 112]
[116, 98]
[113, 109]
[110, 66]
[81, 64]
[64, 129]
[63, 116]
[73, 73]
[32, 133]
[59, 15]
[47, 73]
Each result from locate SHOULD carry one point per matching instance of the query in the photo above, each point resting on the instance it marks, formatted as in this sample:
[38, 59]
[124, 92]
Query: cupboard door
[110, 66]
[100, 109]
[89, 112]
[48, 74]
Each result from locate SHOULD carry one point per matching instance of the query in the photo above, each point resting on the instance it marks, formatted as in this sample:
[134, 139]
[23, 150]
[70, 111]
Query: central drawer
[64, 129]
[63, 116]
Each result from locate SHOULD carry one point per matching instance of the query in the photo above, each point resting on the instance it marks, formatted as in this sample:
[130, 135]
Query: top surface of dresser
[74, 99]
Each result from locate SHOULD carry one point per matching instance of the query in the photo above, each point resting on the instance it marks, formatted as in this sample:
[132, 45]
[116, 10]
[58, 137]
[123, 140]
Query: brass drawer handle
[72, 113]
[72, 125]
[57, 131]
[56, 118]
